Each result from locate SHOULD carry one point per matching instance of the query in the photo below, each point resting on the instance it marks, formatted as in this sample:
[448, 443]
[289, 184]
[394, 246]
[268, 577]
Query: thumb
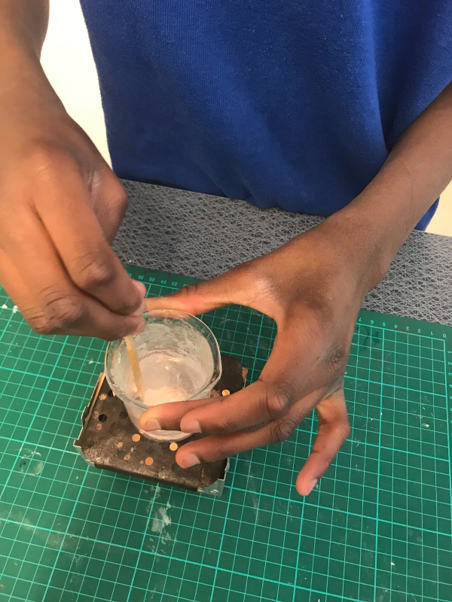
[202, 297]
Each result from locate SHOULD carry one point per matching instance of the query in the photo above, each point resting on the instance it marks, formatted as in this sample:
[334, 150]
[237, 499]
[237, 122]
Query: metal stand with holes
[109, 440]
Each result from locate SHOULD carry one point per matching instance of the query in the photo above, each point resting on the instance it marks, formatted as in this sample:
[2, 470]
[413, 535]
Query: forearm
[23, 26]
[418, 169]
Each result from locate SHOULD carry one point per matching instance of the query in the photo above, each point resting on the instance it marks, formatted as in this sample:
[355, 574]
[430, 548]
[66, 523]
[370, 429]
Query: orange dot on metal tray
[149, 461]
[99, 426]
[103, 396]
[136, 437]
[173, 446]
[120, 445]
[127, 457]
[225, 392]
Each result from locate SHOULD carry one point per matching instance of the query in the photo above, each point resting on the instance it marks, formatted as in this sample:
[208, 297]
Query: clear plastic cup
[179, 359]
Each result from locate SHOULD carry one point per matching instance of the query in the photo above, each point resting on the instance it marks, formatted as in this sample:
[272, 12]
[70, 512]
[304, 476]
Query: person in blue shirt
[341, 109]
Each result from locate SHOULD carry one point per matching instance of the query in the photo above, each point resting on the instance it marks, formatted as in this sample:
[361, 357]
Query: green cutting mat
[377, 528]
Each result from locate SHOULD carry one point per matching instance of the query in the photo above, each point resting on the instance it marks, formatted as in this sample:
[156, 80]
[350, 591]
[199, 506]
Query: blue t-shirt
[288, 103]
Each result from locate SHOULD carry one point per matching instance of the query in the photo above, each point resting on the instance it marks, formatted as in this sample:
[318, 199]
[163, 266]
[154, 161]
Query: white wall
[68, 62]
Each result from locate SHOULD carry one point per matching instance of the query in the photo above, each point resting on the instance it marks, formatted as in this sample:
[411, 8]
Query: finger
[237, 412]
[242, 410]
[218, 447]
[97, 321]
[260, 402]
[51, 305]
[206, 415]
[334, 428]
[282, 383]
[168, 415]
[201, 297]
[64, 206]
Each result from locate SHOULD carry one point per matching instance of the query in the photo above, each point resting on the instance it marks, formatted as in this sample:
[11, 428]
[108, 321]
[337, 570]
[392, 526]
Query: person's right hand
[60, 206]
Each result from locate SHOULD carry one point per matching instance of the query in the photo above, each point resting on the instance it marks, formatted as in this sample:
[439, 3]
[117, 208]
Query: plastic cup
[179, 359]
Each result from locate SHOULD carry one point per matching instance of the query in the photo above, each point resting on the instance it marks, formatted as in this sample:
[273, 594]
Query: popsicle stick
[136, 370]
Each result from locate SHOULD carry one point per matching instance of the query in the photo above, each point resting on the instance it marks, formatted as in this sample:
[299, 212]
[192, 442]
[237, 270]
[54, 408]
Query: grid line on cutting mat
[377, 527]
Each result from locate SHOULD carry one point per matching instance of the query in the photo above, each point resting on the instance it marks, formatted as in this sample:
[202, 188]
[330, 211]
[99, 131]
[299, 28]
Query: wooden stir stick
[136, 370]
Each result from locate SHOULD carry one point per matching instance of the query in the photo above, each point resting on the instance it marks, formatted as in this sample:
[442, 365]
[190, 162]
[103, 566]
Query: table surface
[377, 527]
[201, 236]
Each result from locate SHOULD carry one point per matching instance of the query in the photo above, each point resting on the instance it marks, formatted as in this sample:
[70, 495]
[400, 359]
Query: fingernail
[191, 426]
[151, 424]
[311, 486]
[188, 461]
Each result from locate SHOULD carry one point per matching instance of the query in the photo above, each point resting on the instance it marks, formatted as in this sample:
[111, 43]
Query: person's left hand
[313, 288]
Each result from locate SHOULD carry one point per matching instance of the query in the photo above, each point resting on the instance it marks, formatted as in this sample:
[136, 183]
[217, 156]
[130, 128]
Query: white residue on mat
[288, 460]
[30, 462]
[252, 487]
[426, 425]
[256, 508]
[156, 491]
[161, 520]
[88, 363]
[27, 524]
[14, 309]
[55, 540]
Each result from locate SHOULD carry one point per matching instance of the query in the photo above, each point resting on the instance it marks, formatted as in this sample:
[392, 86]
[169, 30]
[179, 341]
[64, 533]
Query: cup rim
[137, 402]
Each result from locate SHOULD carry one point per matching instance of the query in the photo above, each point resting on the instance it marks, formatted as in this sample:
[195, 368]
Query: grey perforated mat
[201, 236]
